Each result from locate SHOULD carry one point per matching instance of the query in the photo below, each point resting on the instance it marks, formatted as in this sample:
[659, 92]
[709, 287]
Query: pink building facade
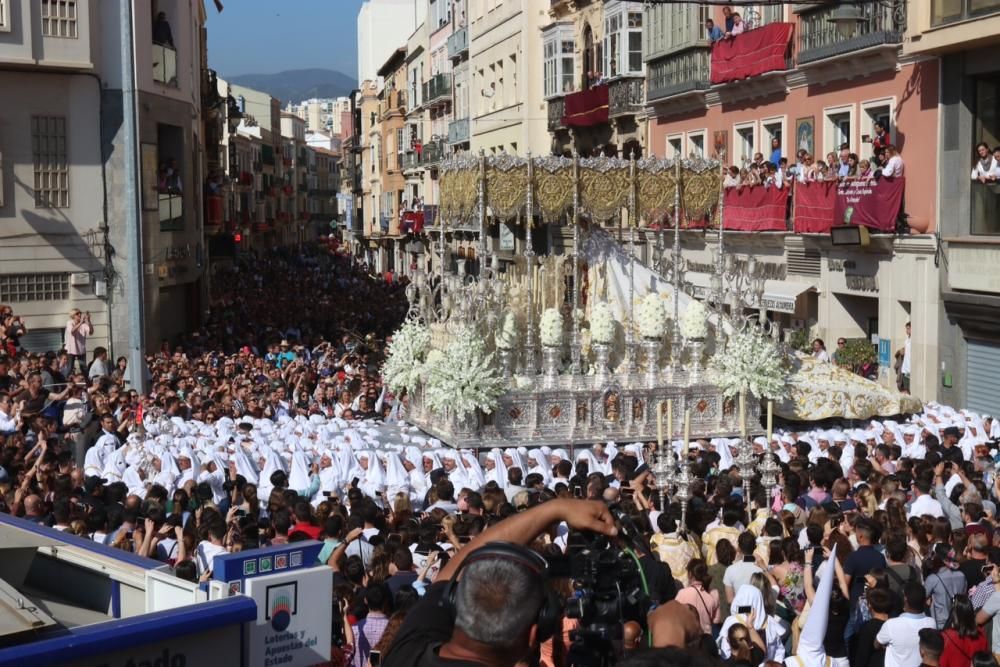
[829, 94]
[812, 85]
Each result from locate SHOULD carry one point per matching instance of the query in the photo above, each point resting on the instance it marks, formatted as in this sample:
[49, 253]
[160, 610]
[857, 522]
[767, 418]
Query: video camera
[609, 590]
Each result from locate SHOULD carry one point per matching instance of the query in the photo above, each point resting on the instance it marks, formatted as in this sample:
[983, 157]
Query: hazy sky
[268, 36]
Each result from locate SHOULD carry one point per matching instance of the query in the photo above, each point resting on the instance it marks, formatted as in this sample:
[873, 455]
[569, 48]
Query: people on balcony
[775, 150]
[894, 167]
[732, 178]
[727, 13]
[881, 138]
[169, 178]
[713, 31]
[161, 31]
[987, 166]
[865, 170]
[844, 164]
[738, 26]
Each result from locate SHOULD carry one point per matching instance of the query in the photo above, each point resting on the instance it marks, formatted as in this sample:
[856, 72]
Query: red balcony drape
[751, 53]
[586, 108]
[755, 209]
[874, 204]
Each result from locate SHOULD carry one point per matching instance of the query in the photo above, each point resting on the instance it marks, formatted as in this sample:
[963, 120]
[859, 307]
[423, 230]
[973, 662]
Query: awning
[781, 295]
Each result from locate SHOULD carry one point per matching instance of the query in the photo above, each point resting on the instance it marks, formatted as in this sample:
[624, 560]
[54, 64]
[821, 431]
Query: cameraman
[496, 601]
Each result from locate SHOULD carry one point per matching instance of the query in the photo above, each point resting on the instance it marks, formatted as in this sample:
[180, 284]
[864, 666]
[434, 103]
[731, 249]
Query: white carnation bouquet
[651, 316]
[506, 338]
[463, 378]
[694, 323]
[550, 328]
[750, 362]
[602, 323]
[405, 356]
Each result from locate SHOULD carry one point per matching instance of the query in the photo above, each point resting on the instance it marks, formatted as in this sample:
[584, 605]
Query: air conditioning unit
[100, 288]
[79, 279]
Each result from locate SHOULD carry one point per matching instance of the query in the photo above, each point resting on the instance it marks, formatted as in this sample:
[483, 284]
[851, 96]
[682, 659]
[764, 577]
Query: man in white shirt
[207, 550]
[901, 637]
[894, 165]
[10, 416]
[740, 572]
[923, 501]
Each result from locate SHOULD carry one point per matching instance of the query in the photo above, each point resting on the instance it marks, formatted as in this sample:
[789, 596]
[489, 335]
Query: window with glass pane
[985, 197]
[634, 51]
[612, 45]
[567, 66]
[983, 6]
[549, 68]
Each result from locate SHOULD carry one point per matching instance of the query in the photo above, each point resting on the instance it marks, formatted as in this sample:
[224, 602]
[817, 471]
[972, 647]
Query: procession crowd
[269, 425]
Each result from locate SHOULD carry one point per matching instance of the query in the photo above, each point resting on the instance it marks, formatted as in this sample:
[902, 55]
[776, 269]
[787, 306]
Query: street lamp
[846, 18]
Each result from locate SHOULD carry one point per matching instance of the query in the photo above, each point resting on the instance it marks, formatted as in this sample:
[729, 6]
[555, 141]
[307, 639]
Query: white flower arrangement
[651, 316]
[694, 323]
[550, 328]
[750, 362]
[463, 378]
[405, 357]
[602, 323]
[506, 338]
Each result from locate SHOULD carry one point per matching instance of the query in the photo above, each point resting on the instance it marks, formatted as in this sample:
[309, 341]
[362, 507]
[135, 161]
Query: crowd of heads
[269, 425]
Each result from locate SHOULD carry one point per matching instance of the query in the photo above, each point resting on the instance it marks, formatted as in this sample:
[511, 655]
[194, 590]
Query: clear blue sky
[268, 36]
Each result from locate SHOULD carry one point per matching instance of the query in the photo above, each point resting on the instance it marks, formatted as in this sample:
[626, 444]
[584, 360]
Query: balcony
[171, 207]
[819, 39]
[432, 153]
[557, 109]
[458, 131]
[394, 102]
[458, 43]
[409, 161]
[684, 73]
[626, 96]
[165, 65]
[437, 91]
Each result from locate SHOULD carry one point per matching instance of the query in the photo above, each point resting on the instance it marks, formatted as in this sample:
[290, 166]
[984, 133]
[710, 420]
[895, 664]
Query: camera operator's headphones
[549, 614]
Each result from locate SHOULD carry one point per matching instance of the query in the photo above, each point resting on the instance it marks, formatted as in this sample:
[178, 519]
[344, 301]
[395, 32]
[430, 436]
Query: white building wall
[38, 240]
[383, 26]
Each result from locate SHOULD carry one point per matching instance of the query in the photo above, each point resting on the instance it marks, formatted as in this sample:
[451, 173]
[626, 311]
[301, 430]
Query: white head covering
[298, 478]
[543, 467]
[746, 596]
[499, 472]
[473, 471]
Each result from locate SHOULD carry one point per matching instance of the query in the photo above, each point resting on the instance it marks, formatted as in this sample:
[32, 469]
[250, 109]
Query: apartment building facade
[837, 80]
[964, 35]
[321, 114]
[63, 165]
[505, 98]
[594, 77]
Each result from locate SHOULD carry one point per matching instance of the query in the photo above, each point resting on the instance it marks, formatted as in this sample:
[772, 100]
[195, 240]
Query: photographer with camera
[489, 605]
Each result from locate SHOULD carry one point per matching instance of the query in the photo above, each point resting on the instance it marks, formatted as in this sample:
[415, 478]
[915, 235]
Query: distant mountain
[299, 84]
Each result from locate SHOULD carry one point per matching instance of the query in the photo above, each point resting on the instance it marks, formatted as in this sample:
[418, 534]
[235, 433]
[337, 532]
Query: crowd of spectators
[844, 165]
[267, 425]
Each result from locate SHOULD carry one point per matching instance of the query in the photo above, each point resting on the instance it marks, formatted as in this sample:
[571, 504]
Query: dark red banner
[814, 202]
[586, 108]
[755, 208]
[751, 53]
[874, 204]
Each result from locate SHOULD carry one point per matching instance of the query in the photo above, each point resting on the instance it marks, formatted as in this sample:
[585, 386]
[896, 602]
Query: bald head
[631, 635]
[33, 506]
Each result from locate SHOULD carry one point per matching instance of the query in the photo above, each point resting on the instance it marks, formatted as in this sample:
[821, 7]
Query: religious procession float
[593, 345]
